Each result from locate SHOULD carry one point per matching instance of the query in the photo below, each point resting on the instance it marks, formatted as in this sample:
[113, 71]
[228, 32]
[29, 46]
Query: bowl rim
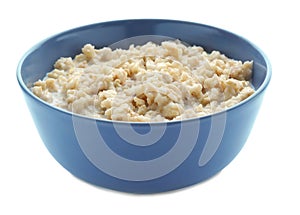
[257, 92]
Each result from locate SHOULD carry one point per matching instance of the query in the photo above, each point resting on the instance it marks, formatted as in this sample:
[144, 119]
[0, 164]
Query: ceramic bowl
[143, 157]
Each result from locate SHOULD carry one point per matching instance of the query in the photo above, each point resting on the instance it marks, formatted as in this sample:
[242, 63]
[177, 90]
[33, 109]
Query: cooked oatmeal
[151, 82]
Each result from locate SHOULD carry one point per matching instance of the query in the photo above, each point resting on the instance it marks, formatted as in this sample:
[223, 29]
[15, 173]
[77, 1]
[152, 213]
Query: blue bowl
[143, 157]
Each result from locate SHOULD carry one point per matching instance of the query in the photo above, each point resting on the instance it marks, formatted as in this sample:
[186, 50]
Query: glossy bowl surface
[142, 157]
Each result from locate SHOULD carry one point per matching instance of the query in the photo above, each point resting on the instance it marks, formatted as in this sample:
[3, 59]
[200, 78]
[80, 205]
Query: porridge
[146, 83]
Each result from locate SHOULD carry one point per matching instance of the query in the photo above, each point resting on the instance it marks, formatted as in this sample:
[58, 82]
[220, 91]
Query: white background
[263, 179]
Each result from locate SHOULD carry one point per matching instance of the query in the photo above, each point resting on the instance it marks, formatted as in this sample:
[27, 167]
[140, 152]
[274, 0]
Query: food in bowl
[150, 82]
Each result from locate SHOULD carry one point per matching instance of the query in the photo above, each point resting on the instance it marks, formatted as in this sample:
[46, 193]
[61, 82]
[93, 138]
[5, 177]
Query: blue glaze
[99, 152]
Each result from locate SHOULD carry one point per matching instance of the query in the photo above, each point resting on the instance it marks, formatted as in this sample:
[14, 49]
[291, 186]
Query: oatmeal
[145, 83]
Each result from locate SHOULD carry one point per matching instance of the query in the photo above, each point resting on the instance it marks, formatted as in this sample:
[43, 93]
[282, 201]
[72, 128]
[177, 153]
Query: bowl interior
[40, 59]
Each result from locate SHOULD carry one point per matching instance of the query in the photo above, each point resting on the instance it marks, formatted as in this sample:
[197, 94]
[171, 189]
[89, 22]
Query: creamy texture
[151, 82]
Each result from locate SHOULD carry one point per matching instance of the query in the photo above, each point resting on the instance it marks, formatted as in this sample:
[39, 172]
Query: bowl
[140, 157]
